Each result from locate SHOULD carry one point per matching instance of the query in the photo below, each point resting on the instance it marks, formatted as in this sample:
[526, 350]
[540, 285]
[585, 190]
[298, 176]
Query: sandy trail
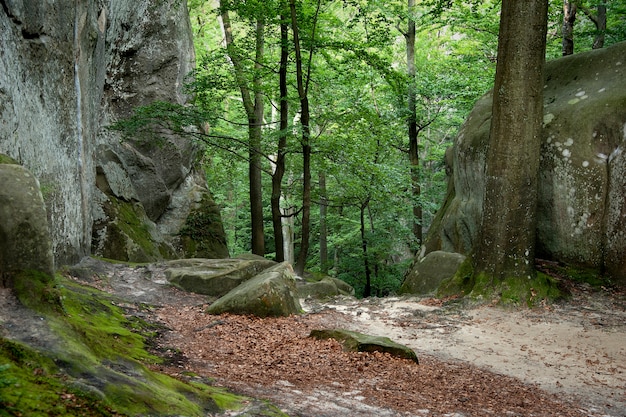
[575, 351]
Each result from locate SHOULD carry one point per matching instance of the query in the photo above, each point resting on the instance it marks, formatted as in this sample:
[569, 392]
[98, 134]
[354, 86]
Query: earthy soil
[566, 359]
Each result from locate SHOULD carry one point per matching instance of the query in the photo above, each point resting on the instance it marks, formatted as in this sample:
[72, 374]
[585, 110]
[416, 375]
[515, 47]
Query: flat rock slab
[215, 277]
[359, 342]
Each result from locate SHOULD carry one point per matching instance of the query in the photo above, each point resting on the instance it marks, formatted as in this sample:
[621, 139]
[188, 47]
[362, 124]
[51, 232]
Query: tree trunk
[279, 172]
[306, 135]
[367, 292]
[505, 246]
[569, 17]
[600, 22]
[254, 113]
[256, 126]
[413, 128]
[323, 227]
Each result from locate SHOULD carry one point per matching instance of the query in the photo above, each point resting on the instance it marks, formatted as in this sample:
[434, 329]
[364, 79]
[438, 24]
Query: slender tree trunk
[505, 246]
[599, 20]
[254, 113]
[323, 226]
[367, 292]
[256, 192]
[598, 42]
[306, 135]
[569, 17]
[279, 172]
[413, 128]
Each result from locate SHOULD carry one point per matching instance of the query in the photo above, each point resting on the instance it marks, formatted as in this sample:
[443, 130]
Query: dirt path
[577, 348]
[573, 352]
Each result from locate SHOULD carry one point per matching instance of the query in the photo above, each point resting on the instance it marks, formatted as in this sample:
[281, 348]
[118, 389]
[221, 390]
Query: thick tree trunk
[506, 240]
[413, 128]
[569, 17]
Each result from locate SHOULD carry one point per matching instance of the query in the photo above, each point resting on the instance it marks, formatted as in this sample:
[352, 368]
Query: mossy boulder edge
[359, 342]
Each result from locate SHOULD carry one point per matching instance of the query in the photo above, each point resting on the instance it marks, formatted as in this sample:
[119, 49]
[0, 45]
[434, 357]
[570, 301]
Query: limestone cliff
[67, 70]
[582, 191]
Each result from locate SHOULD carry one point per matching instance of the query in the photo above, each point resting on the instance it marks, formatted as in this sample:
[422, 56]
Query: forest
[325, 123]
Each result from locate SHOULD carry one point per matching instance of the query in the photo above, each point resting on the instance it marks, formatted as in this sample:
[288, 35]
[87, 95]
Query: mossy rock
[215, 277]
[325, 288]
[25, 241]
[270, 294]
[359, 342]
[425, 276]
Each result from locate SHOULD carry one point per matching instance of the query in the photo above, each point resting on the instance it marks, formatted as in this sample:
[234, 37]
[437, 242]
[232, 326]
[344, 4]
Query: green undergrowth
[513, 291]
[93, 360]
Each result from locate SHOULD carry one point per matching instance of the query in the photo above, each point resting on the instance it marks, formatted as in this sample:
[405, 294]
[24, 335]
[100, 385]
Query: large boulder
[25, 243]
[215, 277]
[427, 273]
[270, 294]
[359, 342]
[581, 211]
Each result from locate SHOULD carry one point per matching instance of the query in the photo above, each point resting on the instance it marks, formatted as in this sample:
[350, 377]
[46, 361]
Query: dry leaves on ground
[275, 356]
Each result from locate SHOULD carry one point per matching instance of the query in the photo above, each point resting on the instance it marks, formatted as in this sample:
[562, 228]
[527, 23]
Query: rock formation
[67, 70]
[25, 243]
[582, 191]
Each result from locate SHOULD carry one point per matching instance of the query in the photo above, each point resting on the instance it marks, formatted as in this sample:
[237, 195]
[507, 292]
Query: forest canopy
[325, 122]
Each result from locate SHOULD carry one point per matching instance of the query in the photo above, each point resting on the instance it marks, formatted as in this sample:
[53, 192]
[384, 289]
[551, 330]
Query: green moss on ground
[95, 363]
[512, 291]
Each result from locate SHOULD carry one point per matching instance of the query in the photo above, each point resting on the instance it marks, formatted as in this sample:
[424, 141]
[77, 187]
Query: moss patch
[203, 234]
[5, 159]
[509, 291]
[127, 235]
[94, 362]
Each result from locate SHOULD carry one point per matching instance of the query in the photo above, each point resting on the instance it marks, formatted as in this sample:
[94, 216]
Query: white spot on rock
[585, 164]
[602, 90]
[547, 118]
[569, 142]
[580, 93]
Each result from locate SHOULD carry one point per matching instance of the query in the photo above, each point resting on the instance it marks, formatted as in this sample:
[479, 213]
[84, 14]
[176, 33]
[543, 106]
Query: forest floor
[564, 359]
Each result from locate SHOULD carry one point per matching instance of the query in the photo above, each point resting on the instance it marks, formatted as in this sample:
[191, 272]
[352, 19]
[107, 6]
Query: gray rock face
[67, 70]
[25, 242]
[270, 294]
[582, 191]
[426, 274]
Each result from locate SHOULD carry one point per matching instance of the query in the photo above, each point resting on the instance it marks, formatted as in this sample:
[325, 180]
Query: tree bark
[323, 226]
[600, 27]
[306, 136]
[367, 292]
[279, 172]
[413, 128]
[254, 113]
[505, 246]
[569, 17]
